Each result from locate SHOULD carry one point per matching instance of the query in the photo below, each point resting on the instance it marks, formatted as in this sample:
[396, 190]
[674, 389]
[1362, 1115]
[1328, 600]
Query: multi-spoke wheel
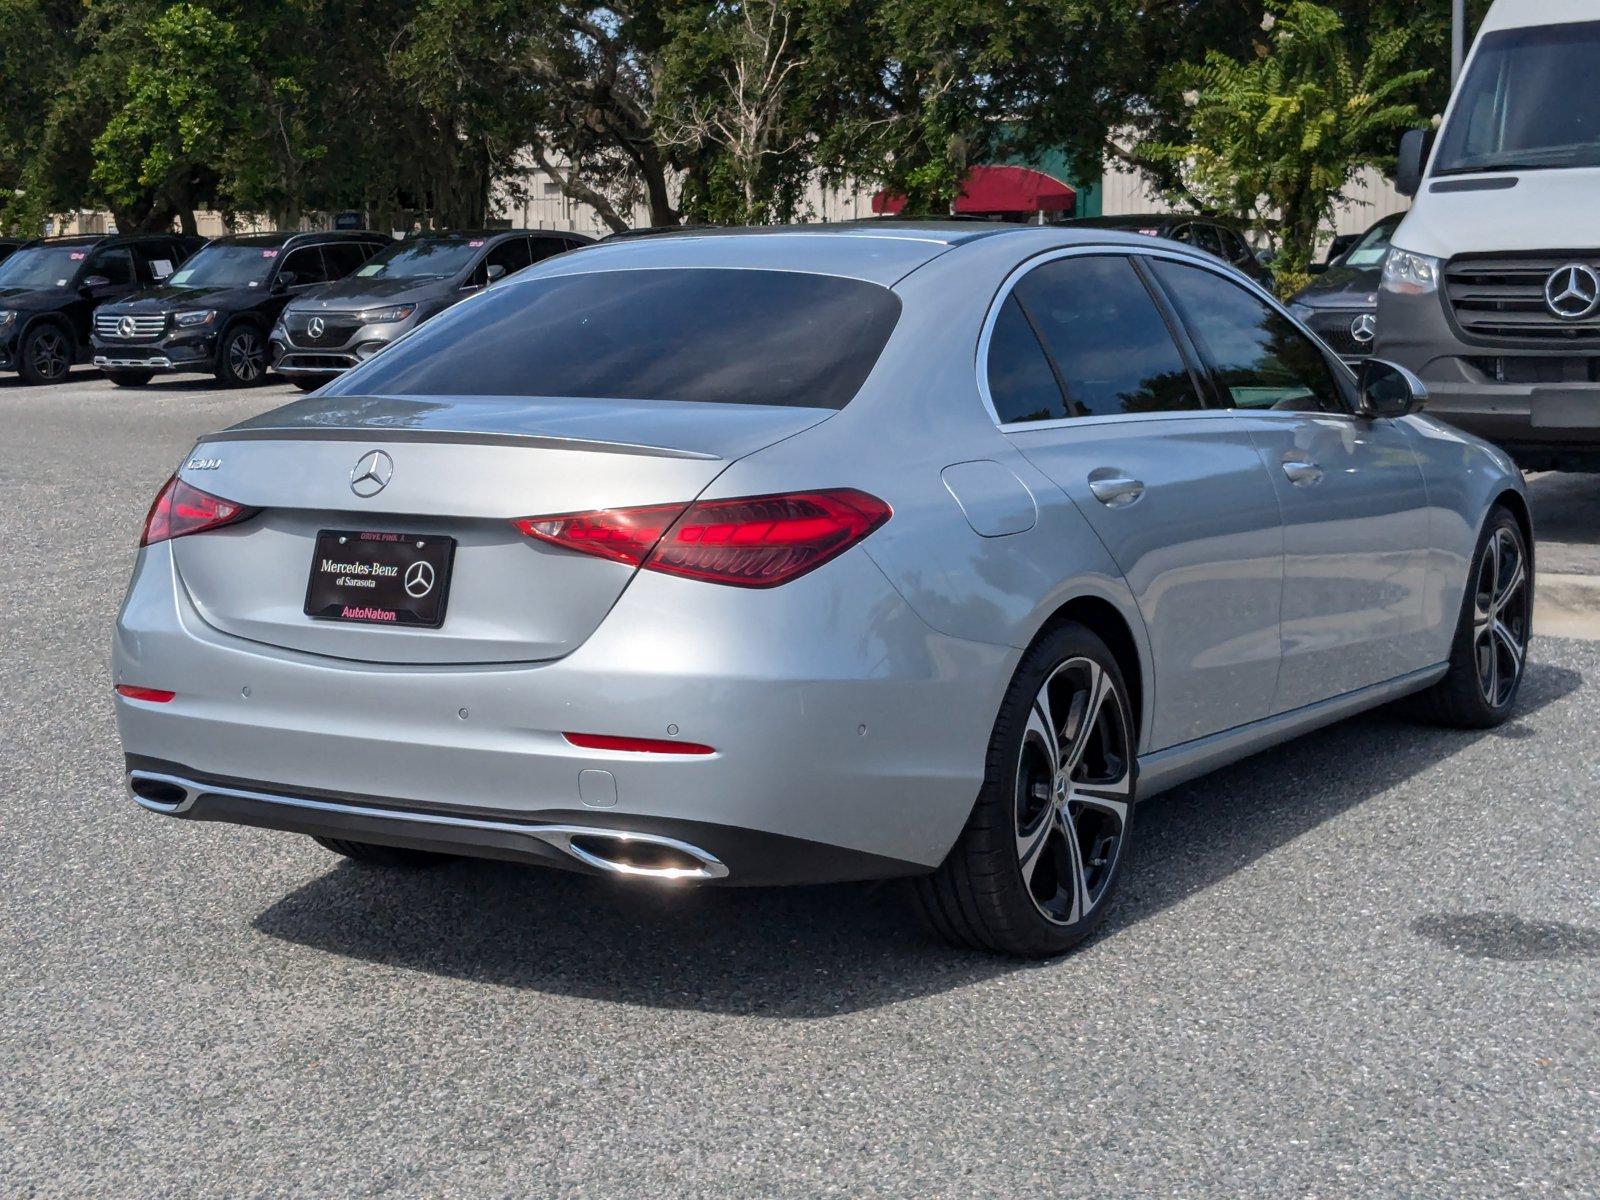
[243, 357]
[47, 354]
[1034, 870]
[1491, 646]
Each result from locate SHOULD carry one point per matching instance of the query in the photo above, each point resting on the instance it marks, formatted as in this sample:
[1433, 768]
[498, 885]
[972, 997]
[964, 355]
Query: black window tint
[115, 266]
[544, 248]
[1261, 360]
[1109, 341]
[706, 336]
[344, 257]
[307, 265]
[1205, 237]
[1234, 248]
[1021, 383]
[512, 254]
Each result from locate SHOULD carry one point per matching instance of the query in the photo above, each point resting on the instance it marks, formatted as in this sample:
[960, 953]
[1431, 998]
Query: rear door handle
[1302, 474]
[1115, 491]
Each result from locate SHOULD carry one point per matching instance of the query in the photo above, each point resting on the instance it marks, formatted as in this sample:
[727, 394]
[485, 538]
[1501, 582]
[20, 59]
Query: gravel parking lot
[1367, 964]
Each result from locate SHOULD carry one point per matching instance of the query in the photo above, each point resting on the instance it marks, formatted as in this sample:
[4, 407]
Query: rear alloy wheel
[383, 856]
[242, 361]
[46, 355]
[1490, 652]
[1034, 870]
[129, 378]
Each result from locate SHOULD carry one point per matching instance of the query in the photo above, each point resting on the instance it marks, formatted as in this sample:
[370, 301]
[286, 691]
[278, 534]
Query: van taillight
[751, 541]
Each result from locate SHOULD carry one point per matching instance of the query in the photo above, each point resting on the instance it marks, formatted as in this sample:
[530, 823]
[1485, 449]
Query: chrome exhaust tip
[161, 793]
[637, 855]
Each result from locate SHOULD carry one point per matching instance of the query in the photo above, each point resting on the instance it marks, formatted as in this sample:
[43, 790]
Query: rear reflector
[149, 695]
[752, 541]
[633, 745]
[180, 510]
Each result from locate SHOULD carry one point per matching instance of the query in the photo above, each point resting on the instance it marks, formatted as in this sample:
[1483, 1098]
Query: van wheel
[130, 378]
[242, 357]
[1036, 867]
[1490, 651]
[383, 856]
[47, 354]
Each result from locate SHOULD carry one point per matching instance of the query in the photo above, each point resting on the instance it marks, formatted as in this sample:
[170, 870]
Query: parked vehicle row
[238, 306]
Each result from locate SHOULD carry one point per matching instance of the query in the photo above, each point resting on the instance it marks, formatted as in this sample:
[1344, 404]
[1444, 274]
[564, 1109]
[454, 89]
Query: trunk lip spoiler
[380, 434]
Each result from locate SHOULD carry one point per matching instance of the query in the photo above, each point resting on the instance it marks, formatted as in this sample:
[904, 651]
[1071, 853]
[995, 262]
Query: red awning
[1020, 190]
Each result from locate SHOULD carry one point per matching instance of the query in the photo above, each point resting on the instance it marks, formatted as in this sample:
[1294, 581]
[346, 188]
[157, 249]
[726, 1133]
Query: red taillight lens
[634, 745]
[149, 695]
[180, 510]
[753, 541]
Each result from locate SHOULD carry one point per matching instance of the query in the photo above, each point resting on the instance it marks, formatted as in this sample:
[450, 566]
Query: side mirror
[95, 282]
[1389, 390]
[494, 271]
[1416, 145]
[283, 281]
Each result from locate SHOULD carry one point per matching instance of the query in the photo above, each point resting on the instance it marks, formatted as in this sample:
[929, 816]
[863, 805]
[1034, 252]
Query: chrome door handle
[1302, 474]
[1116, 491]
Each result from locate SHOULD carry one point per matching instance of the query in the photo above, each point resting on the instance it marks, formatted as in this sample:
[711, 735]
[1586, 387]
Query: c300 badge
[202, 464]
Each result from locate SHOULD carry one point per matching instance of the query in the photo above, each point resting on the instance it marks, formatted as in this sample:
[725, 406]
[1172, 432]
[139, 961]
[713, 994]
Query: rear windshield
[697, 335]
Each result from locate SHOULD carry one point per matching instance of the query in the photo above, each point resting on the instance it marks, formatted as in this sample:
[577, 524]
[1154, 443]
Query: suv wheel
[242, 357]
[47, 354]
[129, 378]
[1039, 861]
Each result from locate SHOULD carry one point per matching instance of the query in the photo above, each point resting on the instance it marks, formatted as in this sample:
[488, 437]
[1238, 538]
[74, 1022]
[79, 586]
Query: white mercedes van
[1491, 292]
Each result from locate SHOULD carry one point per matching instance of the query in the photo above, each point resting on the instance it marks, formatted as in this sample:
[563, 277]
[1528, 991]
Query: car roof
[875, 253]
[283, 239]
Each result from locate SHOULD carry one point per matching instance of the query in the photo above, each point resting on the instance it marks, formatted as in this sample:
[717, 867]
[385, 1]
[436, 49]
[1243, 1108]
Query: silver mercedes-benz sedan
[810, 554]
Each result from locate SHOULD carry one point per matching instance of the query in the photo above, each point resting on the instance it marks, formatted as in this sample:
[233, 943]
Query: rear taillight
[752, 541]
[180, 510]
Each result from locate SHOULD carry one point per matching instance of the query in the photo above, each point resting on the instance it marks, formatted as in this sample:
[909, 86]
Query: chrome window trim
[1176, 253]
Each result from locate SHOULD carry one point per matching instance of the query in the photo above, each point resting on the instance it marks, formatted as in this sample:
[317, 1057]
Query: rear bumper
[849, 737]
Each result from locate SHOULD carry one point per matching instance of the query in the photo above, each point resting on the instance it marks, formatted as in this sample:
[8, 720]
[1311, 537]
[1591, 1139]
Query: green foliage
[1281, 134]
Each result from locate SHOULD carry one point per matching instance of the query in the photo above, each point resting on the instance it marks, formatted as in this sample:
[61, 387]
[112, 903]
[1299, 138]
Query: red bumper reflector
[634, 745]
[149, 695]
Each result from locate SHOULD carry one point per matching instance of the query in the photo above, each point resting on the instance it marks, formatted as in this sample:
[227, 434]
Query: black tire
[984, 896]
[47, 354]
[129, 378]
[241, 356]
[307, 385]
[383, 856]
[1490, 650]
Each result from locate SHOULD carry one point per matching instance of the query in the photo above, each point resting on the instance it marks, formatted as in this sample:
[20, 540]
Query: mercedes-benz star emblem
[1573, 292]
[316, 327]
[371, 474]
[1364, 328]
[419, 579]
[126, 327]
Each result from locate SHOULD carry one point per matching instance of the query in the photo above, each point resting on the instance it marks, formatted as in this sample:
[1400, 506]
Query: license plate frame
[371, 577]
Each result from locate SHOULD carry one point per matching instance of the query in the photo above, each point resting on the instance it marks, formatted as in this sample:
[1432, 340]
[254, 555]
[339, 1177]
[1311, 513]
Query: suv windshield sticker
[269, 254]
[77, 256]
[161, 267]
[476, 244]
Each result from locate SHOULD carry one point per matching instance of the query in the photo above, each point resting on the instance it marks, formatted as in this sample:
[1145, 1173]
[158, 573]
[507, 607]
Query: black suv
[1210, 234]
[214, 315]
[50, 287]
[330, 331]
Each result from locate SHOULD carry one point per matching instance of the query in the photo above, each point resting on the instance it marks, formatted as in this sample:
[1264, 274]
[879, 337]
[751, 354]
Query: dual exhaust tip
[632, 855]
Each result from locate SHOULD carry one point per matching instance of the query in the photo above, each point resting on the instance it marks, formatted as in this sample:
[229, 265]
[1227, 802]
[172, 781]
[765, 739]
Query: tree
[1281, 135]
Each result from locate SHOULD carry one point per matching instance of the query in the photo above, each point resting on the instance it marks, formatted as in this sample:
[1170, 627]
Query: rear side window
[307, 266]
[344, 257]
[1260, 359]
[1021, 383]
[698, 335]
[1108, 340]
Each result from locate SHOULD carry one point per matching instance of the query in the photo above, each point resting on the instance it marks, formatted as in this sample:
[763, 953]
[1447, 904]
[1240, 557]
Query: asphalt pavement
[1366, 964]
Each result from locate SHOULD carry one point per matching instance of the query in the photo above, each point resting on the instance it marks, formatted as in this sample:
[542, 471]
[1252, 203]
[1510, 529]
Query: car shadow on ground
[815, 952]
